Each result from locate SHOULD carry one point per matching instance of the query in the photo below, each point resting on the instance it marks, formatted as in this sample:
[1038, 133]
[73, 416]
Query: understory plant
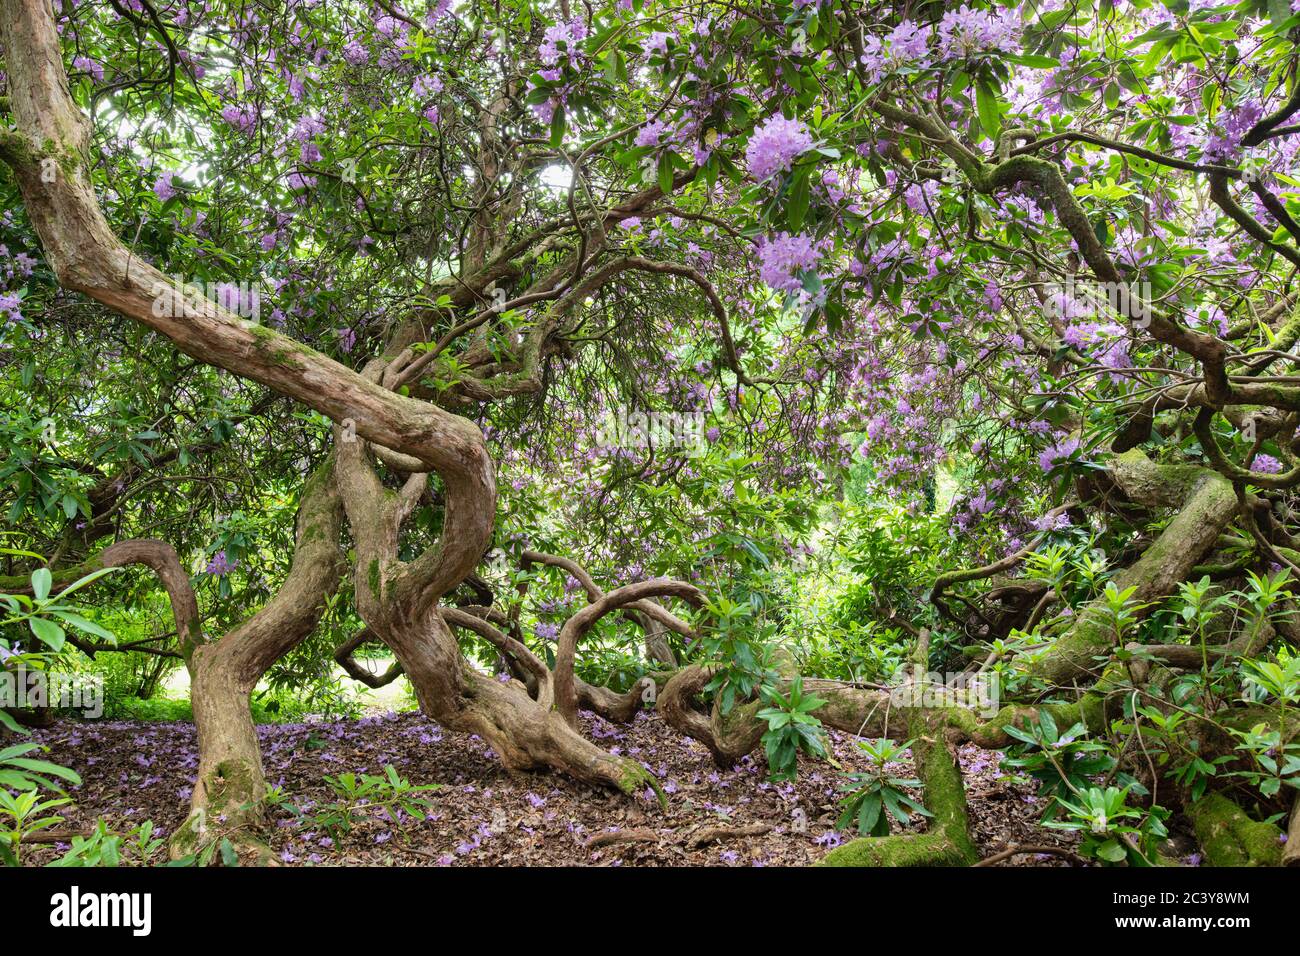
[876, 794]
[388, 798]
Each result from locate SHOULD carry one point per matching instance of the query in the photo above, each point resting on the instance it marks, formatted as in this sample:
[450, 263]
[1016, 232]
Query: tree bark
[1206, 502]
[230, 788]
[576, 627]
[399, 602]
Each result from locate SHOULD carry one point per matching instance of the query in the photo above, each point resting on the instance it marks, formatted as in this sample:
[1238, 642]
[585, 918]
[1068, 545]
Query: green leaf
[48, 632]
[79, 622]
[558, 127]
[797, 207]
[1034, 60]
[228, 855]
[11, 725]
[986, 102]
[44, 766]
[1112, 851]
[88, 579]
[41, 581]
[665, 175]
[18, 750]
[869, 814]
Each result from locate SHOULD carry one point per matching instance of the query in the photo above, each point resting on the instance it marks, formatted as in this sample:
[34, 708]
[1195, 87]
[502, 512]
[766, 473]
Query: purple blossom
[651, 134]
[783, 257]
[163, 188]
[658, 41]
[218, 564]
[1051, 523]
[964, 32]
[9, 306]
[242, 118]
[775, 145]
[87, 65]
[355, 54]
[1054, 455]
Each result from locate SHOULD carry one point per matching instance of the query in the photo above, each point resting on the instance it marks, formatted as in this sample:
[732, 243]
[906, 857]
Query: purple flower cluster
[650, 134]
[775, 145]
[961, 33]
[355, 54]
[1225, 146]
[218, 564]
[570, 34]
[906, 42]
[1266, 465]
[1056, 454]
[242, 118]
[10, 308]
[87, 65]
[1051, 523]
[163, 188]
[964, 32]
[783, 257]
[242, 300]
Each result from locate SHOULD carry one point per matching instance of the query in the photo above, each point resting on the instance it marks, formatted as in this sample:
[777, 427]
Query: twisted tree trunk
[399, 603]
[227, 799]
[230, 788]
[49, 154]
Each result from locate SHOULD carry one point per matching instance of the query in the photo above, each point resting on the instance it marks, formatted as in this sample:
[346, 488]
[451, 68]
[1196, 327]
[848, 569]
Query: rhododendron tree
[495, 332]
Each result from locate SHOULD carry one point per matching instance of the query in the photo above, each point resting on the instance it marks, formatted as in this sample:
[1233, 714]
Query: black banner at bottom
[140, 908]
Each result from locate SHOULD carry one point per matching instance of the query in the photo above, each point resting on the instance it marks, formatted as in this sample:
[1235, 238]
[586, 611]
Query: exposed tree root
[1014, 851]
[1230, 838]
[1206, 503]
[718, 833]
[729, 738]
[611, 705]
[694, 839]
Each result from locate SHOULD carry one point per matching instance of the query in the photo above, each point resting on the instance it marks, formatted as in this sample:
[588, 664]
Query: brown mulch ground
[485, 816]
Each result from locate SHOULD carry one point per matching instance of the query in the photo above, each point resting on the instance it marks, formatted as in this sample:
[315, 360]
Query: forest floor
[483, 815]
